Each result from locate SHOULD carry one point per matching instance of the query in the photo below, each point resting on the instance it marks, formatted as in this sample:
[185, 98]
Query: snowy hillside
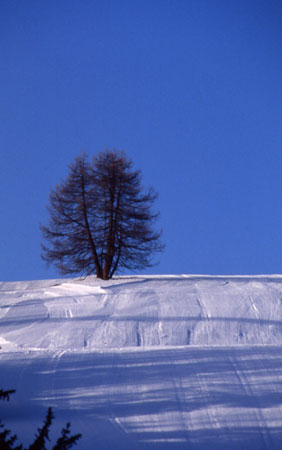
[160, 362]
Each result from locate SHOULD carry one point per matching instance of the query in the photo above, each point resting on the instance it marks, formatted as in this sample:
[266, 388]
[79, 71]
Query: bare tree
[100, 218]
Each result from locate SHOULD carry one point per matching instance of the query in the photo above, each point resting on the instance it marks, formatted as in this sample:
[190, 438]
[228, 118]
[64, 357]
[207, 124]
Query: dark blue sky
[191, 90]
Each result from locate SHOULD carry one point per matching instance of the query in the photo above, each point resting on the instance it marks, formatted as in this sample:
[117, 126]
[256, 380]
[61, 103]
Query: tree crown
[101, 220]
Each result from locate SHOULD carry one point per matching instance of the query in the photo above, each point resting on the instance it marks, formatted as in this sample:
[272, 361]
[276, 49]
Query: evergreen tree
[64, 442]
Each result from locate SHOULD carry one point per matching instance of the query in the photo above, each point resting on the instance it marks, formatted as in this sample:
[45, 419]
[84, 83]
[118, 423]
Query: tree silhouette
[64, 442]
[100, 218]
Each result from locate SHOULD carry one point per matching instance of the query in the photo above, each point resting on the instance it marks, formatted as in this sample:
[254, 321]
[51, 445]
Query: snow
[152, 362]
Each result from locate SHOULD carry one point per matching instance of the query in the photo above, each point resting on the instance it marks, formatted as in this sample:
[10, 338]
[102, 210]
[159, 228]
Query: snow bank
[155, 363]
[141, 312]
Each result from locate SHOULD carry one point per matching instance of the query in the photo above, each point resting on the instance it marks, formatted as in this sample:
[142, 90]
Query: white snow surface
[146, 362]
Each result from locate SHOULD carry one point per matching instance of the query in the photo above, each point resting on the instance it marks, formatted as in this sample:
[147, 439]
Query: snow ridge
[142, 312]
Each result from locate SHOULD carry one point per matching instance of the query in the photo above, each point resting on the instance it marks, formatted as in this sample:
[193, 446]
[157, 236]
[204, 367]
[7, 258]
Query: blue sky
[190, 90]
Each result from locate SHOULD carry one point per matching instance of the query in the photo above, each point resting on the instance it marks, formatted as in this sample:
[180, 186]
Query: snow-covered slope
[160, 362]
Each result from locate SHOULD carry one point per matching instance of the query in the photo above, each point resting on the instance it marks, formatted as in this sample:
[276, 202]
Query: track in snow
[146, 362]
[196, 398]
